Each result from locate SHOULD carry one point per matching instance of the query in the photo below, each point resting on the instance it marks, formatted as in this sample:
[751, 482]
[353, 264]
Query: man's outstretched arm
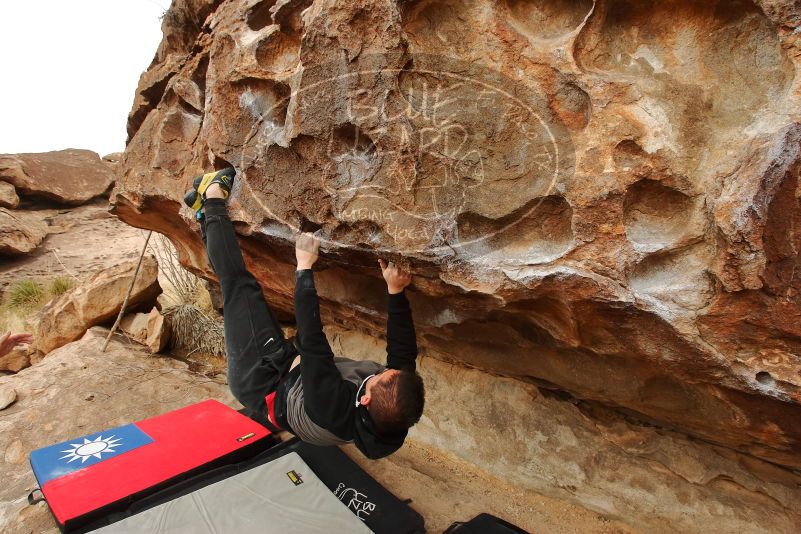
[401, 337]
[327, 395]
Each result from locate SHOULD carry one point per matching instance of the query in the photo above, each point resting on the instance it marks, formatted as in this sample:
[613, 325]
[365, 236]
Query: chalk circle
[482, 138]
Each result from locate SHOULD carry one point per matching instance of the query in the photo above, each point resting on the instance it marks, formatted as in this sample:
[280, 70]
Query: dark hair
[397, 402]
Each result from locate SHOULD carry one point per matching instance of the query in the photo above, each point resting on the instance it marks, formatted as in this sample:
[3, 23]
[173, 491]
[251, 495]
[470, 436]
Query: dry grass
[197, 329]
[197, 337]
[60, 285]
[25, 297]
[179, 285]
[26, 294]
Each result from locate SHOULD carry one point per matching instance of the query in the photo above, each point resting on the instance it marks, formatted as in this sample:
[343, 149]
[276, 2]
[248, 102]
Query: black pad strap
[33, 500]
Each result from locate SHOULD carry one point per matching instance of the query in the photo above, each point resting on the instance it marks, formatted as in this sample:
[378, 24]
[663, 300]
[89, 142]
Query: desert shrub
[195, 331]
[180, 286]
[25, 297]
[60, 285]
[26, 294]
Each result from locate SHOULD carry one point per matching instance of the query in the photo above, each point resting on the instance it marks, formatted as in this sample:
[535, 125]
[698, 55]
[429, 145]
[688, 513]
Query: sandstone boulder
[20, 232]
[7, 397]
[69, 176]
[8, 196]
[95, 302]
[589, 198]
[114, 157]
[149, 329]
[78, 390]
[16, 360]
[135, 326]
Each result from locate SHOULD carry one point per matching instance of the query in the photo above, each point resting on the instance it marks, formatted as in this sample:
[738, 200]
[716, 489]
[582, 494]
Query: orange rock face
[598, 197]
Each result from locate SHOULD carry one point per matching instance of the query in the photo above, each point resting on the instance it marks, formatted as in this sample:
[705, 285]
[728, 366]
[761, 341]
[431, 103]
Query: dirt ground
[444, 490]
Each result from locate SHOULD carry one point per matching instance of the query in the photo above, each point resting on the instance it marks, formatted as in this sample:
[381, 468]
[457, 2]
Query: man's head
[394, 399]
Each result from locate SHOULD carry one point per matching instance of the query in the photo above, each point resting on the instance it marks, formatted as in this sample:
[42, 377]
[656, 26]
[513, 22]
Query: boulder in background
[8, 196]
[69, 176]
[20, 232]
[149, 329]
[95, 302]
[114, 157]
[16, 360]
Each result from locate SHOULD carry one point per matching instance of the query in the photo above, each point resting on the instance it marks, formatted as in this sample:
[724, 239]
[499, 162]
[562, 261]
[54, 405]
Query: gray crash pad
[282, 496]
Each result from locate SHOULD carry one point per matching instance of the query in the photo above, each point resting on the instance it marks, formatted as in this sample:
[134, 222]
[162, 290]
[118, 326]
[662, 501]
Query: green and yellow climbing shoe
[195, 198]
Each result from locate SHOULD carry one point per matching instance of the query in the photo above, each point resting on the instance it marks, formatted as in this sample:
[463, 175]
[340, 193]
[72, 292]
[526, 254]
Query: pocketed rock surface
[598, 198]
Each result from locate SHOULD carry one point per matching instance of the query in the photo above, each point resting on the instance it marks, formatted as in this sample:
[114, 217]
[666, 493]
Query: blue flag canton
[61, 459]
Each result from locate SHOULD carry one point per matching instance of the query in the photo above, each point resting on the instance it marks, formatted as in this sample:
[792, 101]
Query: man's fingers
[389, 268]
[307, 241]
[306, 237]
[22, 338]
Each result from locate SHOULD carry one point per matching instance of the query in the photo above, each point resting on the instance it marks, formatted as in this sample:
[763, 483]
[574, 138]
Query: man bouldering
[300, 386]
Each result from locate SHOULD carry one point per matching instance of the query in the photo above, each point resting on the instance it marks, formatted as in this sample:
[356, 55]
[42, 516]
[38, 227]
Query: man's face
[384, 375]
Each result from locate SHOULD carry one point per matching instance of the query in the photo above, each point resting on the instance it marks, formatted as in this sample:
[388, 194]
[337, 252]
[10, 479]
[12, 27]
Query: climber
[8, 341]
[299, 385]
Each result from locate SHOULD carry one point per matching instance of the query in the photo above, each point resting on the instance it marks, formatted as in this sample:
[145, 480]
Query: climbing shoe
[195, 198]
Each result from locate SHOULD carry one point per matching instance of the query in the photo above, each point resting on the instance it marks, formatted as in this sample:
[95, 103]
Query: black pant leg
[258, 353]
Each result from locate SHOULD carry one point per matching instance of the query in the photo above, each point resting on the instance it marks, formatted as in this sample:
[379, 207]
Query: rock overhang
[595, 196]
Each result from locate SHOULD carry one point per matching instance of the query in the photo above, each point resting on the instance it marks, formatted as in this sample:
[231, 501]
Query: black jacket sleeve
[328, 397]
[401, 338]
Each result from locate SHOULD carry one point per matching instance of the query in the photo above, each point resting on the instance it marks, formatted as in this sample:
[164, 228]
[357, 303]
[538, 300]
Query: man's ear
[364, 400]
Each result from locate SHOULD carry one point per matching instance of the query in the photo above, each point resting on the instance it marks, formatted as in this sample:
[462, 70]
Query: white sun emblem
[88, 449]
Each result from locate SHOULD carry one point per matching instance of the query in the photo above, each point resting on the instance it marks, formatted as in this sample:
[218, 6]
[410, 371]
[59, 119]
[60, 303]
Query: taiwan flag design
[63, 458]
[82, 475]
